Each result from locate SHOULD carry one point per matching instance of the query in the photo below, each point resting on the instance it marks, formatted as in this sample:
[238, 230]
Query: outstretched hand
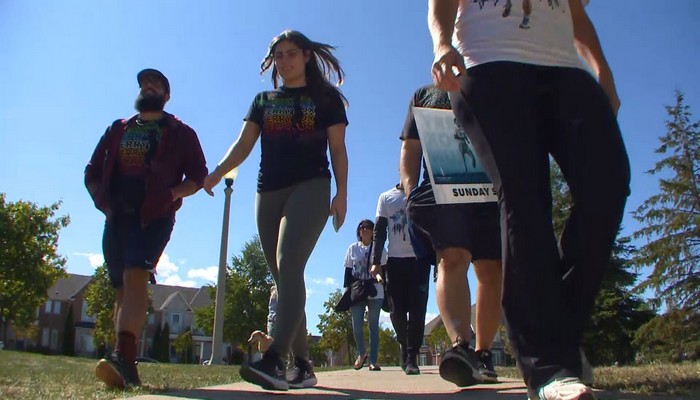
[447, 67]
[210, 181]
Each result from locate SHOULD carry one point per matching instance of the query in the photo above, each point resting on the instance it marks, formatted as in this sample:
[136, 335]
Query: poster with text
[455, 171]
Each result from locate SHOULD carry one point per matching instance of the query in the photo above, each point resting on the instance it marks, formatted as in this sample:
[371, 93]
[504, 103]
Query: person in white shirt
[407, 277]
[357, 268]
[523, 95]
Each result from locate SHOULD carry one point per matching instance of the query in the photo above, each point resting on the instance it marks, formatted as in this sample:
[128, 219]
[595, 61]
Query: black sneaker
[488, 374]
[116, 373]
[459, 365]
[404, 357]
[267, 372]
[301, 375]
[411, 366]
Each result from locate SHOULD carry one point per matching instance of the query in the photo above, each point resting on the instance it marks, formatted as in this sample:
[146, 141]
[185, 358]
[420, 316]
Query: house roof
[437, 321]
[66, 288]
[202, 298]
[173, 299]
[162, 293]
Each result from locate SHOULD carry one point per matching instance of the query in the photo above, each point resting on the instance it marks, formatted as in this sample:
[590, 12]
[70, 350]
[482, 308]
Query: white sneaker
[566, 389]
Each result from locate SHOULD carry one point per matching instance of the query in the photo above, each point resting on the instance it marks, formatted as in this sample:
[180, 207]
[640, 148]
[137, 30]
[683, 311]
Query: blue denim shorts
[126, 244]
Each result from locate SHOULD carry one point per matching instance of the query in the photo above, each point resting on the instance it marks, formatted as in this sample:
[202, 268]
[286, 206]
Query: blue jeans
[358, 319]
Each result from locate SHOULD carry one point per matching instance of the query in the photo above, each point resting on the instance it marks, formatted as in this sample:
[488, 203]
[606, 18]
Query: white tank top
[536, 32]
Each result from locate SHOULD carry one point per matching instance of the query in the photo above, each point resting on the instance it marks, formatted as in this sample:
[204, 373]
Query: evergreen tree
[155, 344]
[164, 344]
[69, 334]
[671, 218]
[617, 312]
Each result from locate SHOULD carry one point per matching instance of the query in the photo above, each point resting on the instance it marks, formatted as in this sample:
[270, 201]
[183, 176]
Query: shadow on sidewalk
[347, 394]
[344, 394]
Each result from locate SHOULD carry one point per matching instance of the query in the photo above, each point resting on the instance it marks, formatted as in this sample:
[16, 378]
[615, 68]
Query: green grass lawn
[33, 376]
[677, 379]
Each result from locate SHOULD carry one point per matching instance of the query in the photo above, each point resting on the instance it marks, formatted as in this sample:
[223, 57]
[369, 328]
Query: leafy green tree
[671, 218]
[100, 298]
[316, 354]
[248, 283]
[29, 262]
[672, 337]
[438, 339]
[204, 317]
[69, 334]
[336, 328]
[389, 349]
[184, 345]
[617, 312]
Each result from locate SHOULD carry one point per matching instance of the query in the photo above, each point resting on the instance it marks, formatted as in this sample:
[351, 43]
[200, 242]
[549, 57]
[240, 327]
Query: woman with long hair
[297, 122]
[357, 268]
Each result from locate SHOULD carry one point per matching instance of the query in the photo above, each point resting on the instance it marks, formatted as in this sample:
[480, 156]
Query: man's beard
[149, 103]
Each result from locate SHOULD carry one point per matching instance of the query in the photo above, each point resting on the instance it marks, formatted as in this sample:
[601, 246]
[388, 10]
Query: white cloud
[309, 292]
[165, 267]
[429, 316]
[209, 274]
[325, 281]
[95, 259]
[175, 280]
[385, 320]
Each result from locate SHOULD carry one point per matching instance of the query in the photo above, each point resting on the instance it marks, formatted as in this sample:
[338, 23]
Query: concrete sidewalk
[390, 383]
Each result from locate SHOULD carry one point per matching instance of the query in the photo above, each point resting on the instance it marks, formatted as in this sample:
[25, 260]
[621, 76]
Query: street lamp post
[217, 340]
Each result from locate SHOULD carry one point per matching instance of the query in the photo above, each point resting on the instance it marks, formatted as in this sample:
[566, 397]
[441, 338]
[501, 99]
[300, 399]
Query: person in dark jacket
[135, 177]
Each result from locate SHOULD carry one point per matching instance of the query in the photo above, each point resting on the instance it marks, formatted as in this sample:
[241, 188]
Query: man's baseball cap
[151, 71]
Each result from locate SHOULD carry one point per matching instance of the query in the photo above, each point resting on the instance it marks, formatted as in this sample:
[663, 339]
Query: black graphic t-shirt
[294, 137]
[428, 97]
[137, 147]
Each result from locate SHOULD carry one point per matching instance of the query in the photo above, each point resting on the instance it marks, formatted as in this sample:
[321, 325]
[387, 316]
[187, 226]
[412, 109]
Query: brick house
[174, 305]
[431, 356]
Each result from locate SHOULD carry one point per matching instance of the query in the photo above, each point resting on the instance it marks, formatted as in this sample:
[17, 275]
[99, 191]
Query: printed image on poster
[454, 169]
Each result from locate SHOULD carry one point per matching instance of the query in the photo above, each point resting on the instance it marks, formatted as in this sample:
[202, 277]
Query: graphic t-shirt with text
[136, 149]
[294, 136]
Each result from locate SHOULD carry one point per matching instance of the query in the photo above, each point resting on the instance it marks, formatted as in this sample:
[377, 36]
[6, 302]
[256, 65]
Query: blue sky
[69, 69]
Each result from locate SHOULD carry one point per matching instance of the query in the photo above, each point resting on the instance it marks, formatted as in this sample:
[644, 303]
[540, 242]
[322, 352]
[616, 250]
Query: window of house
[45, 333]
[151, 319]
[47, 307]
[86, 343]
[54, 339]
[175, 326]
[56, 307]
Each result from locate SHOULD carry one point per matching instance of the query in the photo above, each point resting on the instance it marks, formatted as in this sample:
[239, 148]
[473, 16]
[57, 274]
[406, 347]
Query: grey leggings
[290, 220]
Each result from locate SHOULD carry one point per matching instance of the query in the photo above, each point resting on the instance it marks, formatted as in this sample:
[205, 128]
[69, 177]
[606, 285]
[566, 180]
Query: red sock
[126, 346]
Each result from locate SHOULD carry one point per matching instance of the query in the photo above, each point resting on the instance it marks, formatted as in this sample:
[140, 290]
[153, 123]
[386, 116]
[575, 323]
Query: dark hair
[364, 221]
[321, 65]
